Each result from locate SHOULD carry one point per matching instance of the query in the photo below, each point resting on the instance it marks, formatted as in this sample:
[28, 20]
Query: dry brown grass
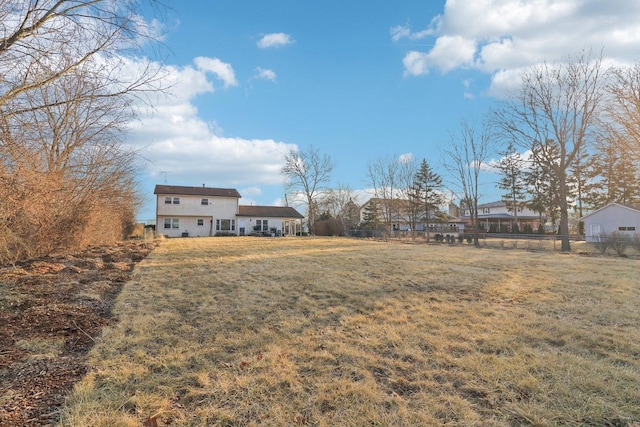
[328, 331]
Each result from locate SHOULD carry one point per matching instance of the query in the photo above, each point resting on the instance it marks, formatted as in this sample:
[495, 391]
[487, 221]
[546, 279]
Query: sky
[248, 81]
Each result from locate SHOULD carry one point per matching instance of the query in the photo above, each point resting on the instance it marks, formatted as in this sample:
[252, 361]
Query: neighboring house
[613, 218]
[202, 211]
[392, 213]
[261, 219]
[496, 216]
[397, 214]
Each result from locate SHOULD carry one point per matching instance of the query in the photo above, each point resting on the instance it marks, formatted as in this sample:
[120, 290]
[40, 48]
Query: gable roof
[496, 204]
[196, 191]
[269, 211]
[634, 208]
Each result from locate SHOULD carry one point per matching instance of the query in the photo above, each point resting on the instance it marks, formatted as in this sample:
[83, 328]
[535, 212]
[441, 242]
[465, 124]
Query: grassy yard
[327, 332]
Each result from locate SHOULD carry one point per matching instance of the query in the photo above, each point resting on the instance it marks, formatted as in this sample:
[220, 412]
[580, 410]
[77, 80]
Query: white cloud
[174, 138]
[275, 40]
[222, 70]
[467, 85]
[404, 31]
[448, 53]
[265, 74]
[500, 37]
[400, 31]
[405, 158]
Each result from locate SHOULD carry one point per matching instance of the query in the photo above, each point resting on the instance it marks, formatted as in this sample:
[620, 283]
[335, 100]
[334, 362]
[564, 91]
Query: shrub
[601, 242]
[619, 243]
[635, 242]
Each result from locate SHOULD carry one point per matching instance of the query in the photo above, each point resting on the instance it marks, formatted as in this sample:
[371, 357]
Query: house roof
[196, 191]
[497, 204]
[501, 216]
[269, 211]
[635, 208]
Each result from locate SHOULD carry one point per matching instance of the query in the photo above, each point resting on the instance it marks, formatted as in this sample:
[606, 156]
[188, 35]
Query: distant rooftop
[196, 191]
[269, 211]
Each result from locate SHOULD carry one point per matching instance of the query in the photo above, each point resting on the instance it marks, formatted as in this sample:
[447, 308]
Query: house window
[486, 210]
[631, 228]
[204, 202]
[171, 223]
[262, 225]
[167, 200]
[200, 222]
[176, 200]
[225, 225]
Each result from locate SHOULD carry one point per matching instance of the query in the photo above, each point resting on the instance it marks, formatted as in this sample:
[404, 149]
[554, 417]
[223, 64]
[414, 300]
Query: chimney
[202, 185]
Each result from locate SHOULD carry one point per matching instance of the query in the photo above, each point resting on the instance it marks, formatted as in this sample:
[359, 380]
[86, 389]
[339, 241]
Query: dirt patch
[51, 310]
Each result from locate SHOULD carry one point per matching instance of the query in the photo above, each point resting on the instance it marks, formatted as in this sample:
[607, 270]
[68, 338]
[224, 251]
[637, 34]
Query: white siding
[190, 209]
[610, 218]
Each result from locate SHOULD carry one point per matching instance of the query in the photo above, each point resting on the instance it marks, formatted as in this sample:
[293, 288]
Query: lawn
[330, 331]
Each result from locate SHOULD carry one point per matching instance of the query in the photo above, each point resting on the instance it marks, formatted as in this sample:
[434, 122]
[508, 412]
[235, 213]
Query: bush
[619, 243]
[635, 242]
[601, 242]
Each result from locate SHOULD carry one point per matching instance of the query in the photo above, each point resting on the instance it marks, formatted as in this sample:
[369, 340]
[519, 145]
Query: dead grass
[325, 332]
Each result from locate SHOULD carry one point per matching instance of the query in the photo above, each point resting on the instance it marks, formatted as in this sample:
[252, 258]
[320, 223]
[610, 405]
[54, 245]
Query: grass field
[328, 331]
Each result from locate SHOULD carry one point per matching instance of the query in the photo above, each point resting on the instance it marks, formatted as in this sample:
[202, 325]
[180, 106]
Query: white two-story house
[203, 211]
[195, 211]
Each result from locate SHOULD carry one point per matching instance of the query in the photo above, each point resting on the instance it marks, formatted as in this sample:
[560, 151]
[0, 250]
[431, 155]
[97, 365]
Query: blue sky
[358, 80]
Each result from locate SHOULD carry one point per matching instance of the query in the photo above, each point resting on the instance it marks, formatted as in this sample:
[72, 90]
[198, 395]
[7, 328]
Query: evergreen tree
[426, 192]
[371, 216]
[616, 177]
[511, 166]
[579, 177]
[351, 214]
[542, 184]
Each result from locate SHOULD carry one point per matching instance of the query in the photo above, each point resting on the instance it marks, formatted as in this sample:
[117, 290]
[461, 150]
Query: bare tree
[307, 172]
[46, 40]
[338, 202]
[623, 108]
[383, 178]
[391, 178]
[557, 103]
[66, 92]
[468, 152]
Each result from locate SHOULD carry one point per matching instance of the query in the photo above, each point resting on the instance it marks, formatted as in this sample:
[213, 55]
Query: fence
[541, 242]
[537, 242]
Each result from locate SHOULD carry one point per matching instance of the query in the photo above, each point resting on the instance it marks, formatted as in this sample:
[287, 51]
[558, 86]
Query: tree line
[567, 138]
[67, 92]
